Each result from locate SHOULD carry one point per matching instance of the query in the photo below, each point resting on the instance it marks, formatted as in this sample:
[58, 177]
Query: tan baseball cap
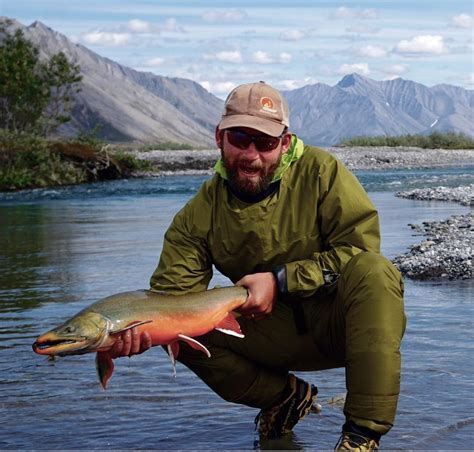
[258, 106]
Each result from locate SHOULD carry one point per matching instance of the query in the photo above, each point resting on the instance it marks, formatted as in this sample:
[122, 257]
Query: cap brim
[271, 128]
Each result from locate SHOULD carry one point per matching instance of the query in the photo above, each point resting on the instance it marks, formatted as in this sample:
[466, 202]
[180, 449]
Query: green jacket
[319, 218]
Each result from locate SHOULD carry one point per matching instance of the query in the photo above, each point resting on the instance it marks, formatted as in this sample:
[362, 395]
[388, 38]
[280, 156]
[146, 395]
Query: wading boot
[297, 400]
[355, 442]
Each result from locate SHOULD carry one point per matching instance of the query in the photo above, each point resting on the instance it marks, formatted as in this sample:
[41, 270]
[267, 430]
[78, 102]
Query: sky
[221, 44]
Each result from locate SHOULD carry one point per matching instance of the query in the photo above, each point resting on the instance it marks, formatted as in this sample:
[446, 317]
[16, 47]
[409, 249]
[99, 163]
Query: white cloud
[285, 57]
[397, 69]
[172, 25]
[218, 87]
[422, 45]
[139, 26]
[370, 51]
[360, 68]
[292, 35]
[294, 84]
[362, 28]
[233, 15]
[154, 62]
[225, 56]
[469, 81]
[262, 57]
[369, 14]
[462, 21]
[106, 38]
[344, 13]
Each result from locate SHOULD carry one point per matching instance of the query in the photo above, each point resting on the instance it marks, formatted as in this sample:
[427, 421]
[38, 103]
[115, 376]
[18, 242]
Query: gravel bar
[355, 158]
[446, 253]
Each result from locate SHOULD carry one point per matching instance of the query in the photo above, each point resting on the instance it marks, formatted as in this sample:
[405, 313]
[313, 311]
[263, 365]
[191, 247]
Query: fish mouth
[59, 346]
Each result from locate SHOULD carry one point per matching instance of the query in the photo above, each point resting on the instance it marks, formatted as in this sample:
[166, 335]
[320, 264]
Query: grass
[436, 140]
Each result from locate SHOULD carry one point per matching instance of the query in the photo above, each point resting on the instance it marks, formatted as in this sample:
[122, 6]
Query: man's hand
[131, 343]
[262, 294]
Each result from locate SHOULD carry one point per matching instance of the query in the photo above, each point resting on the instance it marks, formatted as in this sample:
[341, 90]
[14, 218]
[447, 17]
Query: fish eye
[69, 329]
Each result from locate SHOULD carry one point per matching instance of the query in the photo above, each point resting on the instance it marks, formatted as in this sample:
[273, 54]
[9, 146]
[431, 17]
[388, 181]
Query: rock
[446, 254]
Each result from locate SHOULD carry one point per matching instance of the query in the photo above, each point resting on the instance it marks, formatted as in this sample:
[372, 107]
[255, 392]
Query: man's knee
[372, 269]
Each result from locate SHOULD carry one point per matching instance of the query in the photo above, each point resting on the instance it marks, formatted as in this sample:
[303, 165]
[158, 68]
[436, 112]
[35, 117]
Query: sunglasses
[242, 140]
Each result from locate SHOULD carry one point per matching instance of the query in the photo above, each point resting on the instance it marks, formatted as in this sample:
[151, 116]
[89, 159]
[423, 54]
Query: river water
[62, 249]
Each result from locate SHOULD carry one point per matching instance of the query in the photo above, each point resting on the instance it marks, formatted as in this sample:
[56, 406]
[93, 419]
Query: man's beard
[246, 186]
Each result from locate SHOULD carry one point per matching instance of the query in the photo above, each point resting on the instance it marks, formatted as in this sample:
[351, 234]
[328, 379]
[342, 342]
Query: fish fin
[130, 326]
[173, 351]
[105, 367]
[229, 325]
[193, 343]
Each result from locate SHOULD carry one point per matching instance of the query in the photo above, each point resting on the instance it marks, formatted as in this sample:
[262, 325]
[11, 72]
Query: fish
[168, 319]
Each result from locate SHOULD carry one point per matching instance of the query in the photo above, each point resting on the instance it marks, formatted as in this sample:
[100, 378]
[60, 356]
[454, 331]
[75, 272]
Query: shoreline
[446, 251]
[355, 158]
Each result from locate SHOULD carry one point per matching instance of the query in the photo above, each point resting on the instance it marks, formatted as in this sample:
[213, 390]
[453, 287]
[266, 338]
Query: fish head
[82, 334]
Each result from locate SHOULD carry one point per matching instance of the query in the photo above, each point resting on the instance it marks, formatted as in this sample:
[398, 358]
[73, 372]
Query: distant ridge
[359, 106]
[144, 107]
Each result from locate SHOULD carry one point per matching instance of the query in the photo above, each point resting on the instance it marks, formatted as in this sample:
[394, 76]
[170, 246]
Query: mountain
[359, 106]
[130, 105]
[141, 106]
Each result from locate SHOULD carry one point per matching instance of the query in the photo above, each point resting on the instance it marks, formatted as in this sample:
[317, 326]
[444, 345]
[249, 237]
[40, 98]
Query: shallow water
[63, 249]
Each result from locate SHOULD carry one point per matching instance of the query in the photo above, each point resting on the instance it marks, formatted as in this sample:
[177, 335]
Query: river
[62, 249]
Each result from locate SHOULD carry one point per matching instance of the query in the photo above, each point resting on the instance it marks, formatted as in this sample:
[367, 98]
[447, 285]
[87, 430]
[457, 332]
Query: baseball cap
[258, 106]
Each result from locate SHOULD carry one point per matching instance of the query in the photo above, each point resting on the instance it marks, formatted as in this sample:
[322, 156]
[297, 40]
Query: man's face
[250, 157]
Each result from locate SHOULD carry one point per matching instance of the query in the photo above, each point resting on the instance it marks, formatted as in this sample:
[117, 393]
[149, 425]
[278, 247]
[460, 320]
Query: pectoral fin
[131, 325]
[193, 343]
[105, 367]
[173, 351]
[229, 325]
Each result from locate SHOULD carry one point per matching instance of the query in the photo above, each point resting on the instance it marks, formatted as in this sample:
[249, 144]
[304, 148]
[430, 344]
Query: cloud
[370, 51]
[171, 25]
[293, 35]
[233, 15]
[469, 80]
[462, 21]
[285, 57]
[345, 13]
[105, 38]
[154, 62]
[295, 84]
[360, 68]
[422, 45]
[362, 28]
[139, 26]
[397, 69]
[262, 57]
[218, 87]
[225, 56]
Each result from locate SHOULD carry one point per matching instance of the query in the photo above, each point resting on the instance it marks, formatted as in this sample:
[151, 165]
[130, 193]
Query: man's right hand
[130, 343]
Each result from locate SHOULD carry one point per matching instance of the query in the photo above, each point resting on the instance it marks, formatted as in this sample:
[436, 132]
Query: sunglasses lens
[242, 140]
[239, 139]
[266, 144]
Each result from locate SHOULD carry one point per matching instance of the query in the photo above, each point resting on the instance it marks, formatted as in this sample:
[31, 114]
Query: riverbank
[355, 158]
[446, 252]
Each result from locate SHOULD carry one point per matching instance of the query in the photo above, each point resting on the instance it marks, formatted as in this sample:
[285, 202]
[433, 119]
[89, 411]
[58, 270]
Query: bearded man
[293, 226]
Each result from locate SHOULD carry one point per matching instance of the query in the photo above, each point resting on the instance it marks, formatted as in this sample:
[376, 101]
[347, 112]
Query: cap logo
[267, 105]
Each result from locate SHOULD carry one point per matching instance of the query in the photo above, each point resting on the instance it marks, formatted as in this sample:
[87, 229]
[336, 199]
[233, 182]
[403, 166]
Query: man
[293, 226]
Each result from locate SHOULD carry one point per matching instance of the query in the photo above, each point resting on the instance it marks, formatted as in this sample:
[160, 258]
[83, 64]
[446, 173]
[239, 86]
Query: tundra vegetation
[436, 140]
